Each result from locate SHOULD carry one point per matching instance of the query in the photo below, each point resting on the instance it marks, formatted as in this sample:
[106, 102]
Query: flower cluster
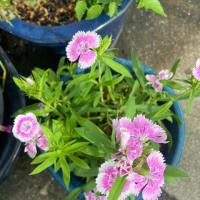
[27, 129]
[155, 81]
[132, 135]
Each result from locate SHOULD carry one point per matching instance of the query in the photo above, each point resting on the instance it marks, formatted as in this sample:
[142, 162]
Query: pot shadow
[166, 196]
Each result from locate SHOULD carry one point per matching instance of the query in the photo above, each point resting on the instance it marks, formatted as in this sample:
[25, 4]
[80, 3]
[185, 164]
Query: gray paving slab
[158, 42]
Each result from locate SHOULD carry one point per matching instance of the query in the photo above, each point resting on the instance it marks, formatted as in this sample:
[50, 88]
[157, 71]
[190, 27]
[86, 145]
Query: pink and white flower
[124, 166]
[144, 130]
[151, 183]
[31, 149]
[106, 176]
[25, 127]
[80, 48]
[41, 141]
[92, 196]
[154, 81]
[196, 70]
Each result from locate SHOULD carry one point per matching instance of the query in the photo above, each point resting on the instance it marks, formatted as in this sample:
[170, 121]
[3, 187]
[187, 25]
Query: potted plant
[11, 99]
[58, 35]
[111, 122]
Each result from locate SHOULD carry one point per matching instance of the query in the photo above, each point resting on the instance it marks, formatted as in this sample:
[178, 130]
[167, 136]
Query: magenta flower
[106, 177]
[124, 166]
[31, 149]
[134, 149]
[151, 183]
[196, 70]
[25, 127]
[7, 129]
[144, 130]
[122, 125]
[41, 141]
[165, 75]
[154, 81]
[80, 48]
[92, 196]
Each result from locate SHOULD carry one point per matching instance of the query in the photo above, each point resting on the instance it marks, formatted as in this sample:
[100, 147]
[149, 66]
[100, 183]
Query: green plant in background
[93, 8]
[104, 118]
[7, 11]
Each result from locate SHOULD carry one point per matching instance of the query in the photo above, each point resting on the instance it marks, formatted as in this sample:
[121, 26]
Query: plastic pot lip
[11, 150]
[60, 34]
[174, 155]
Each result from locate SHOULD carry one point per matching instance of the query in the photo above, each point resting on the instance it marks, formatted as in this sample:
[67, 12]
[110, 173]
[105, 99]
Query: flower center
[82, 47]
[26, 126]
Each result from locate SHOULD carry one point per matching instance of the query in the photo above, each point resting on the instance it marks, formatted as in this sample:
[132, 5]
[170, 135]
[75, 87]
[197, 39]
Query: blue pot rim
[59, 34]
[174, 154]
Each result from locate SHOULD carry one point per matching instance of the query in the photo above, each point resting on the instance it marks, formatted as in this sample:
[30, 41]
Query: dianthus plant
[102, 121]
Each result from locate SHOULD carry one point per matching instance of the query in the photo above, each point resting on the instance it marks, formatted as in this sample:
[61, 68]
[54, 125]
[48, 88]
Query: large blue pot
[177, 131]
[12, 99]
[58, 36]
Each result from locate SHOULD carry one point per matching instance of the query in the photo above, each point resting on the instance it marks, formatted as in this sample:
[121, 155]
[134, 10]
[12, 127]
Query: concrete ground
[158, 42]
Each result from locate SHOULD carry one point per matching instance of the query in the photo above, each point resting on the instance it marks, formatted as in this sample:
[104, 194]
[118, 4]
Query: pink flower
[92, 196]
[122, 125]
[124, 166]
[31, 149]
[106, 177]
[134, 149]
[150, 184]
[154, 81]
[80, 48]
[25, 127]
[7, 129]
[41, 140]
[165, 75]
[196, 70]
[144, 130]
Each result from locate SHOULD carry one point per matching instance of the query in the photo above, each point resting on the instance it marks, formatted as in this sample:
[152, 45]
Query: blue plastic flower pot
[58, 36]
[177, 131]
[11, 100]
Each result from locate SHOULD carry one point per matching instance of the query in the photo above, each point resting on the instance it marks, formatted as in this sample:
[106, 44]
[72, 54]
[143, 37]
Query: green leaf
[117, 188]
[175, 172]
[117, 67]
[65, 170]
[172, 84]
[191, 99]
[42, 83]
[163, 109]
[79, 162]
[86, 172]
[92, 151]
[138, 69]
[153, 5]
[175, 67]
[73, 194]
[112, 9]
[40, 158]
[75, 147]
[106, 43]
[80, 9]
[47, 163]
[130, 107]
[94, 11]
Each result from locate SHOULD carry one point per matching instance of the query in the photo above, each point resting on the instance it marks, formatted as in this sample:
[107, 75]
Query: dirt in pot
[47, 13]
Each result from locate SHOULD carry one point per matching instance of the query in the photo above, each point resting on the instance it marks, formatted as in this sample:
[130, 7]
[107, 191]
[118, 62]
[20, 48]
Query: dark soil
[47, 12]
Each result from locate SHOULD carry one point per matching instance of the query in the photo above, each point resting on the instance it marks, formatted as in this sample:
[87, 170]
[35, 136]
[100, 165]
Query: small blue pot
[177, 131]
[58, 36]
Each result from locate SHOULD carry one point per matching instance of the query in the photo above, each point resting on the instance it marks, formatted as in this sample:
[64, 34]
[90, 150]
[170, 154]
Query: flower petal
[31, 149]
[151, 192]
[87, 59]
[93, 39]
[196, 70]
[158, 134]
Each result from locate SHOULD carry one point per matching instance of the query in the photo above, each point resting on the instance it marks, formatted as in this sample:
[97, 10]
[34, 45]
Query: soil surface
[47, 13]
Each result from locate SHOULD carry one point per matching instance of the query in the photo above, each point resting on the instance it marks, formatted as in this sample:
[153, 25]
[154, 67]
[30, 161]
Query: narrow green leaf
[40, 158]
[191, 99]
[79, 162]
[130, 107]
[42, 83]
[175, 67]
[138, 69]
[47, 163]
[92, 151]
[172, 84]
[117, 67]
[73, 194]
[175, 172]
[65, 170]
[117, 188]
[75, 147]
